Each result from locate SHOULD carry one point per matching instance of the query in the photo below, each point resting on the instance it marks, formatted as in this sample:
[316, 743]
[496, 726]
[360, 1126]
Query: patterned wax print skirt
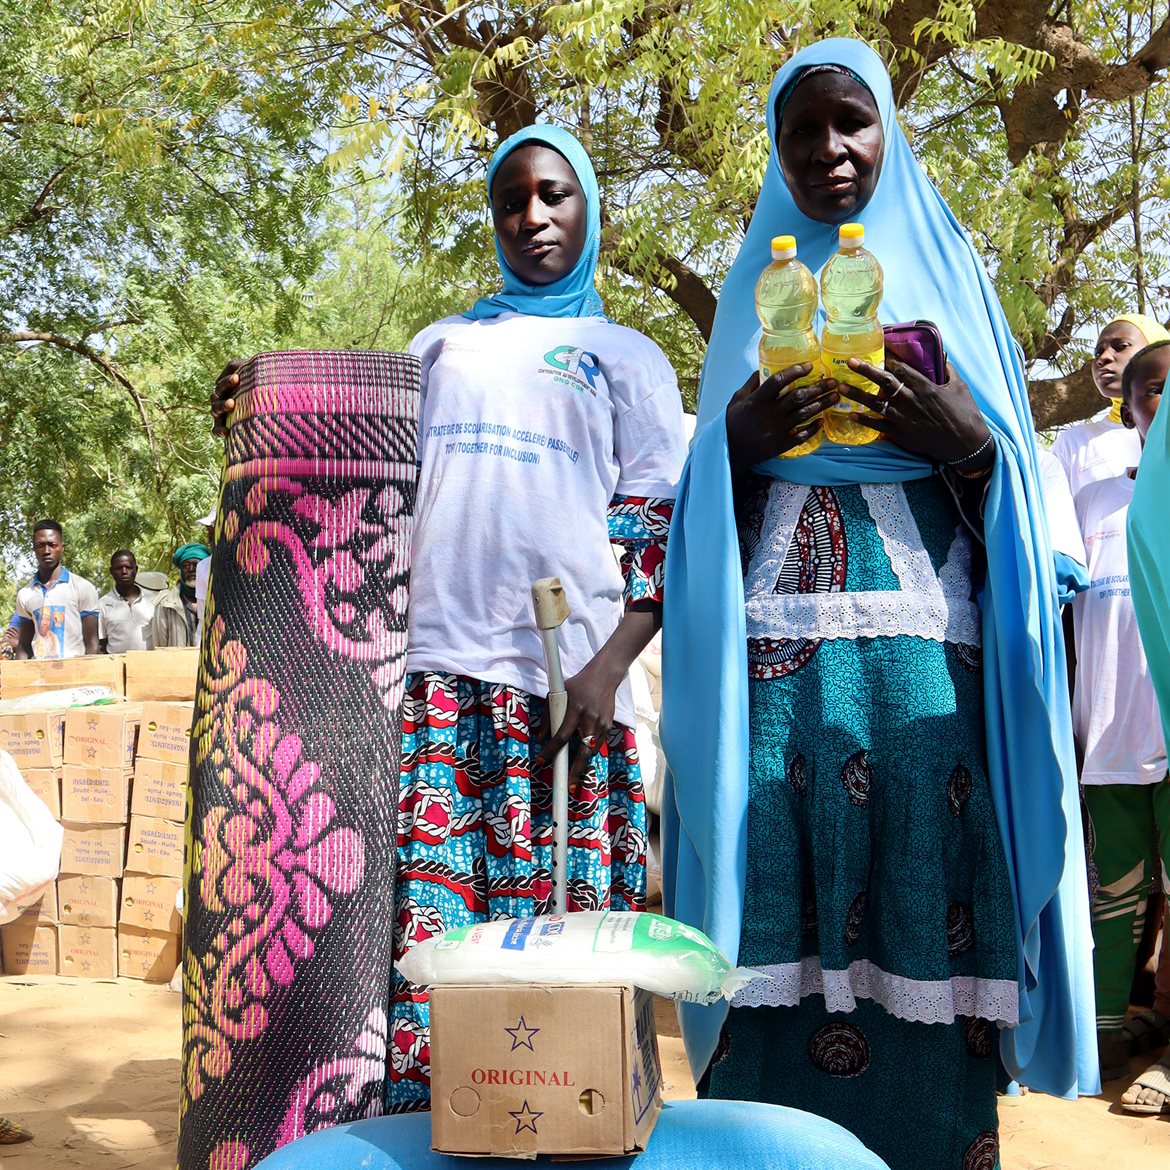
[475, 836]
[878, 899]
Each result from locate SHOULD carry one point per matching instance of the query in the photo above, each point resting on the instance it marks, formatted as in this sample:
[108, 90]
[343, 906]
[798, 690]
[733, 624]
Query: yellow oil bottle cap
[783, 247]
[851, 235]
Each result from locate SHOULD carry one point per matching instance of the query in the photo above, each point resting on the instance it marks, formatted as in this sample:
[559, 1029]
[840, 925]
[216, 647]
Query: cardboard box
[155, 847]
[46, 783]
[165, 734]
[30, 947]
[163, 674]
[148, 902]
[95, 795]
[33, 676]
[35, 739]
[145, 954]
[159, 790]
[102, 737]
[87, 901]
[514, 1073]
[45, 908]
[96, 850]
[90, 952]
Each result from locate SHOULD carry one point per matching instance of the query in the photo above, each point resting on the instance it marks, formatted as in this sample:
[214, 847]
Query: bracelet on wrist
[958, 463]
[978, 473]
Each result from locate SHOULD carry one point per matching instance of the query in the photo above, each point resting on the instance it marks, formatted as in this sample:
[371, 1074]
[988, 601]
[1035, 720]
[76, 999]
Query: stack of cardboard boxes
[149, 927]
[116, 777]
[95, 806]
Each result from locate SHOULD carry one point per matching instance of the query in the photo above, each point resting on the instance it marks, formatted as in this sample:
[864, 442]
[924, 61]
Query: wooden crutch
[548, 600]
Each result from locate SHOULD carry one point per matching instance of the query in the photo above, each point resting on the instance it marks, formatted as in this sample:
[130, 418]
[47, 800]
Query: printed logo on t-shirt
[581, 367]
[50, 636]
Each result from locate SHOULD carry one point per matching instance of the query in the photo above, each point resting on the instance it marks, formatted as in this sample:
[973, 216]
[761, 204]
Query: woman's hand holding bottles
[766, 419]
[940, 423]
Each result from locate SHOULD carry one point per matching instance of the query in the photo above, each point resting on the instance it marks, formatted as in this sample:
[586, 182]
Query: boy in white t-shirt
[1118, 727]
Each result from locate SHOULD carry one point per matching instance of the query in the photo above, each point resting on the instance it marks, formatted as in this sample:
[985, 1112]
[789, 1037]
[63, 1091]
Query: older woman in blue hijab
[866, 714]
[546, 431]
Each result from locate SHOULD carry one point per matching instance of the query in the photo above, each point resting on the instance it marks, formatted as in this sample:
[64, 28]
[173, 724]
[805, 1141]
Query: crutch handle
[549, 602]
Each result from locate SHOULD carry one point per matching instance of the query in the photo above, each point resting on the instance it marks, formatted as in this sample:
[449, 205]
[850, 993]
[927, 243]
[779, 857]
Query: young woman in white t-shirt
[1119, 731]
[1102, 448]
[546, 431]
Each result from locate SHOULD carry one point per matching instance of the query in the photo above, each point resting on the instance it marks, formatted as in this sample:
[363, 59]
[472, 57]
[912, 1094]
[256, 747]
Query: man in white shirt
[126, 612]
[203, 570]
[58, 609]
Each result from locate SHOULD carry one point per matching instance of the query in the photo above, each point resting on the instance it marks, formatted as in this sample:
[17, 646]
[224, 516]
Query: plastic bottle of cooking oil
[851, 290]
[786, 302]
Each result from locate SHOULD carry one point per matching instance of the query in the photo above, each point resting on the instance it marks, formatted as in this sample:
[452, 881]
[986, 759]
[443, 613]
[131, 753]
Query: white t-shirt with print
[1115, 709]
[1096, 450]
[528, 427]
[62, 605]
[1064, 530]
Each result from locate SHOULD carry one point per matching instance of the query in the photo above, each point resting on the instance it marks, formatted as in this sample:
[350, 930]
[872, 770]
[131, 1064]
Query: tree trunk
[1057, 401]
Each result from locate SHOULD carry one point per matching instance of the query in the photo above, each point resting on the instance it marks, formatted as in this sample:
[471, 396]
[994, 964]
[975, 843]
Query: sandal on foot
[1145, 1030]
[1156, 1079]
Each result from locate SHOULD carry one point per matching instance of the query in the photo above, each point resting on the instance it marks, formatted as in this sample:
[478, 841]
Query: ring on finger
[886, 399]
[589, 743]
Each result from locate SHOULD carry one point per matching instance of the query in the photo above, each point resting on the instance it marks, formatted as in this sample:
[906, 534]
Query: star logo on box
[525, 1117]
[522, 1037]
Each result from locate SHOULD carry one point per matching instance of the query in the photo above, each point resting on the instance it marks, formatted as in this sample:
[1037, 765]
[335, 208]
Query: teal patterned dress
[878, 901]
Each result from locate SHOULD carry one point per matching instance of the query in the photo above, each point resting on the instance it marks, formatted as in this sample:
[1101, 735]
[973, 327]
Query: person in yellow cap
[1102, 448]
[1105, 449]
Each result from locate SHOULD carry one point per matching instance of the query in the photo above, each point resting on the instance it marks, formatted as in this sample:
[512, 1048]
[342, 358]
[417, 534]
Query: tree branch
[1138, 73]
[1057, 401]
[37, 210]
[677, 280]
[104, 364]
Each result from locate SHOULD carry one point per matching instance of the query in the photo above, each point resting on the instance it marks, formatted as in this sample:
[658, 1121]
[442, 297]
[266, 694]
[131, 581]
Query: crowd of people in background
[59, 613]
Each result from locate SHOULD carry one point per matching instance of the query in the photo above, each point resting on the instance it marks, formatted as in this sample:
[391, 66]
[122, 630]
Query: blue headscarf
[574, 295]
[931, 271]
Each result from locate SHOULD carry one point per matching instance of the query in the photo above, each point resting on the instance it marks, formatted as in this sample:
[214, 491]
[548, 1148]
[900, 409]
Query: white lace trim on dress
[920, 1001]
[936, 607]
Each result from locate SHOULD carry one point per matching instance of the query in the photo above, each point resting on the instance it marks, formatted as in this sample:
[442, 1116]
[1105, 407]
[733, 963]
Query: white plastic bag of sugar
[596, 946]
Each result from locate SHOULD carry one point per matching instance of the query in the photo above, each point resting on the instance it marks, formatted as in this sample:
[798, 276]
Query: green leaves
[182, 183]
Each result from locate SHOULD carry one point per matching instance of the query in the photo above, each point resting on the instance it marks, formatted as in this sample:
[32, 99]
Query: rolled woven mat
[295, 757]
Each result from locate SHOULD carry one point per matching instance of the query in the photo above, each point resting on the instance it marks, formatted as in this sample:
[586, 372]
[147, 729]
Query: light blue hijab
[574, 295]
[933, 272]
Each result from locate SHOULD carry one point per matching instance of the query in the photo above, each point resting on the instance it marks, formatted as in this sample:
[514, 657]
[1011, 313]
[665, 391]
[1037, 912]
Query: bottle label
[809, 379]
[836, 366]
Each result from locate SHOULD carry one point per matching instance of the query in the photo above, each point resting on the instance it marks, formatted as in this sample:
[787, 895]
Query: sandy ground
[93, 1069]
